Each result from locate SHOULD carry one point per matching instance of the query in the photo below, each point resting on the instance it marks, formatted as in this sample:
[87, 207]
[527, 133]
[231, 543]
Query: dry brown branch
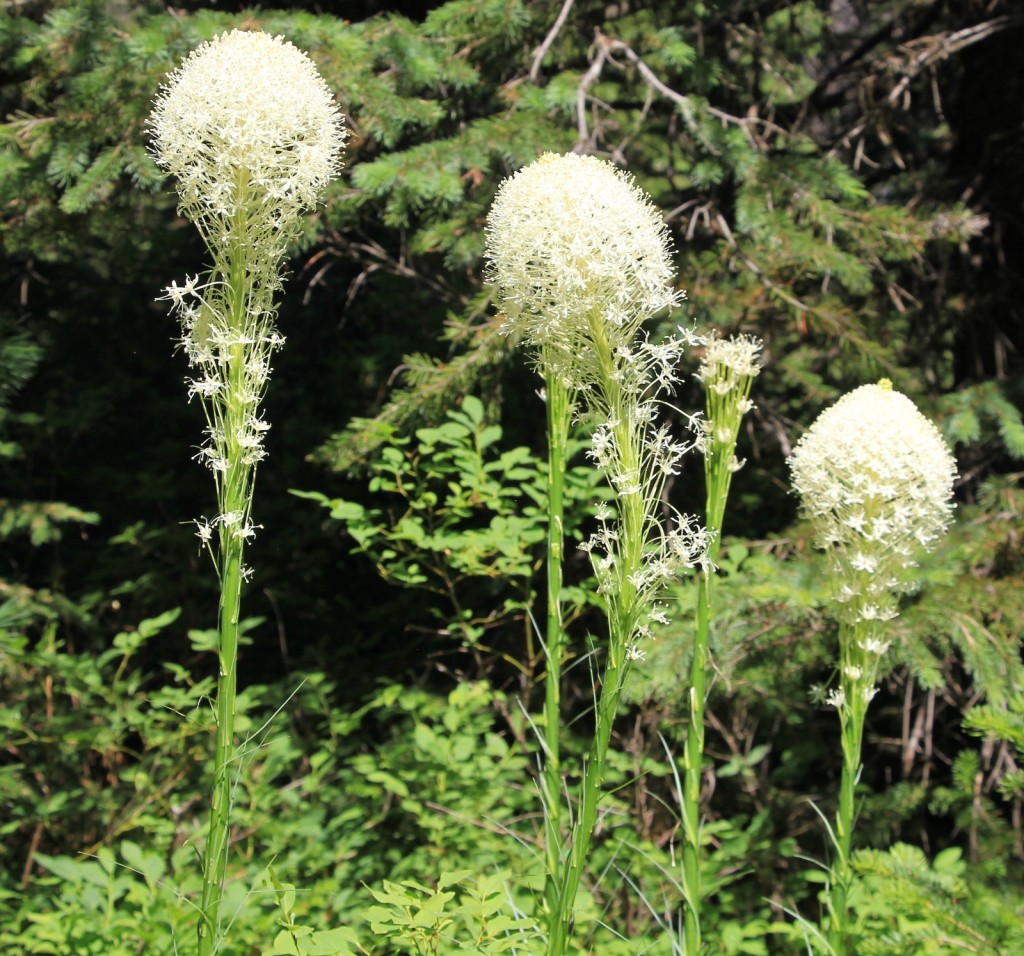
[373, 257]
[934, 49]
[588, 79]
[907, 63]
[605, 50]
[542, 50]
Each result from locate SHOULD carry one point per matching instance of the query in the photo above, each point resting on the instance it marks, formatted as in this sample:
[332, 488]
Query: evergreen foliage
[843, 180]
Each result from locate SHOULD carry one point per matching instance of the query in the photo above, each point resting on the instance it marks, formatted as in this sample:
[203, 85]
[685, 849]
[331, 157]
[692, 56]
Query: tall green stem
[622, 619]
[234, 494]
[718, 477]
[693, 762]
[559, 412]
[215, 858]
[857, 678]
[586, 816]
[727, 373]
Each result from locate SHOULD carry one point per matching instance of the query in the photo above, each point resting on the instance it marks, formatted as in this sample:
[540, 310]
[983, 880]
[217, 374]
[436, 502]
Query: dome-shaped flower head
[875, 478]
[246, 121]
[571, 239]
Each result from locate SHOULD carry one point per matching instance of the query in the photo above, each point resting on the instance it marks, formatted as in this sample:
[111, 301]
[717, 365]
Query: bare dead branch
[586, 81]
[605, 48]
[935, 49]
[542, 50]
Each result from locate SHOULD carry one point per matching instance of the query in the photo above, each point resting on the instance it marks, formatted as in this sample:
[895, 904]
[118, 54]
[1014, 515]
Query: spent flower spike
[727, 371]
[727, 362]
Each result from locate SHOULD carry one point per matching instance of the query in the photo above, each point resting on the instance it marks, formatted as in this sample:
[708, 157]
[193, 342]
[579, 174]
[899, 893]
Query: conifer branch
[429, 384]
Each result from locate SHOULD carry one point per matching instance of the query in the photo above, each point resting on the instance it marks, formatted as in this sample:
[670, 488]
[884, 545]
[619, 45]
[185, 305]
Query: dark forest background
[843, 178]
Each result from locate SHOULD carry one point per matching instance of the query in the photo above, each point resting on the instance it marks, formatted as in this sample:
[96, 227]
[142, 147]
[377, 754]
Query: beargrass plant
[727, 370]
[580, 259]
[875, 479]
[252, 135]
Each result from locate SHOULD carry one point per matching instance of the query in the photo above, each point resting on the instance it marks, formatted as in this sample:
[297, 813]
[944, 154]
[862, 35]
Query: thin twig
[588, 80]
[542, 50]
[938, 48]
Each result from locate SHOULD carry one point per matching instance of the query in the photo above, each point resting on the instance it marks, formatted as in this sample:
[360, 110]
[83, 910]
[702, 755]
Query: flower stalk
[559, 402]
[622, 612]
[861, 652]
[875, 479]
[252, 135]
[726, 373]
[580, 259]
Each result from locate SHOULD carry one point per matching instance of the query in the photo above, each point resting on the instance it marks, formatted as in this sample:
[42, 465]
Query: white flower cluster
[727, 371]
[232, 371]
[580, 258]
[247, 123]
[252, 134]
[238, 524]
[875, 478]
[576, 248]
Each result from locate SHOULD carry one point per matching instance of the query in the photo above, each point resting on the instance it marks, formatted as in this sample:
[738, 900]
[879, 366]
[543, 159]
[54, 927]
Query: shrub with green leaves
[463, 518]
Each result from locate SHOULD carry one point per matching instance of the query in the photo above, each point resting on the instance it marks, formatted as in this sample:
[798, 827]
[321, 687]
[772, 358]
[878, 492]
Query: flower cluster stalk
[559, 404]
[875, 479]
[860, 652]
[726, 373]
[580, 259]
[252, 134]
[623, 612]
[234, 492]
[693, 763]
